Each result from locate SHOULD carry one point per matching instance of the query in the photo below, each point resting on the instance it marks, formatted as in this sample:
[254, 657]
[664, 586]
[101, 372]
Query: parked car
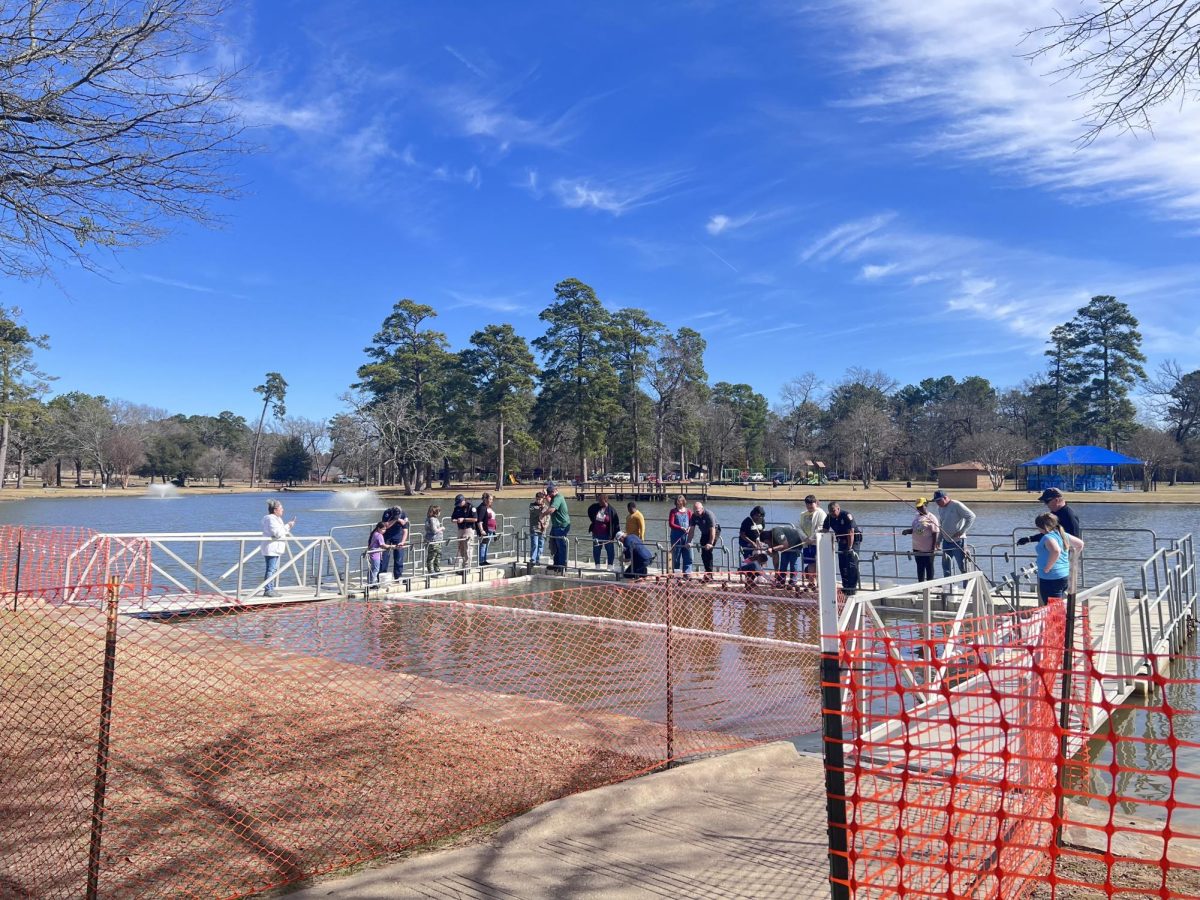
[758, 476]
[620, 476]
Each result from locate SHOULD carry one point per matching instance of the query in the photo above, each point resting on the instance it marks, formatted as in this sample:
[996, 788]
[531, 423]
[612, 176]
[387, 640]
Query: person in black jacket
[395, 537]
[841, 523]
[1057, 504]
[604, 525]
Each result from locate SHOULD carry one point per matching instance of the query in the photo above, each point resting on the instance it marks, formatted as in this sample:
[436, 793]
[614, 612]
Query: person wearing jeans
[604, 527]
[560, 525]
[275, 530]
[679, 521]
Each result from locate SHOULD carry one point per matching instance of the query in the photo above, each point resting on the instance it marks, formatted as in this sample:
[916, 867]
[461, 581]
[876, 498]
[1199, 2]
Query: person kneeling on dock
[637, 553]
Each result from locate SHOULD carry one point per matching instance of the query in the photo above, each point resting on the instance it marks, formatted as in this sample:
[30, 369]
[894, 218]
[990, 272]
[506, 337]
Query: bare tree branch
[1129, 56]
[111, 123]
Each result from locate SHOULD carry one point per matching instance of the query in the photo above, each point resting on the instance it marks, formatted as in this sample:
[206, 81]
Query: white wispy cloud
[615, 196]
[466, 62]
[844, 238]
[957, 69]
[720, 223]
[492, 115]
[872, 272]
[1024, 291]
[189, 286]
[500, 303]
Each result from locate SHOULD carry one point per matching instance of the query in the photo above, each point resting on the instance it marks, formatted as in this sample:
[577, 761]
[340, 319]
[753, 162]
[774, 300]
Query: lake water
[1117, 534]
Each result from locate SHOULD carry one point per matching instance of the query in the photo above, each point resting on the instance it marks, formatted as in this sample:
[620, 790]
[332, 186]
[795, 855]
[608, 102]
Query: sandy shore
[883, 492]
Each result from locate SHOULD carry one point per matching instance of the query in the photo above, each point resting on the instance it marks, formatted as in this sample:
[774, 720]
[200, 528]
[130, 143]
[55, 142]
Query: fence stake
[1064, 712]
[670, 681]
[101, 785]
[17, 574]
[831, 721]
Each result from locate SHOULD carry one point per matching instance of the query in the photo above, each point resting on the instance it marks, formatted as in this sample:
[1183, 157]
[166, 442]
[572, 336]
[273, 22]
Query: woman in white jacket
[274, 529]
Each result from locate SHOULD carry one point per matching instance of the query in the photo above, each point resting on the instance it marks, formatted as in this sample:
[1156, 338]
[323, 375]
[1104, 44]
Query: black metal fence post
[670, 679]
[101, 783]
[833, 737]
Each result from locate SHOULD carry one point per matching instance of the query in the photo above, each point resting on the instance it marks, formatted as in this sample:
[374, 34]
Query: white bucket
[385, 578]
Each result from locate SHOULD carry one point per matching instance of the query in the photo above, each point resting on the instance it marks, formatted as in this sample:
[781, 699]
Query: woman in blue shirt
[1054, 557]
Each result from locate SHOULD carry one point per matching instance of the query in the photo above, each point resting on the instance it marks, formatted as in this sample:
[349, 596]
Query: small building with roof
[1076, 468]
[968, 475]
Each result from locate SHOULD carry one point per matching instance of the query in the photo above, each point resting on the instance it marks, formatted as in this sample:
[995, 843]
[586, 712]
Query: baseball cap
[940, 495]
[550, 485]
[921, 501]
[459, 498]
[620, 535]
[1049, 494]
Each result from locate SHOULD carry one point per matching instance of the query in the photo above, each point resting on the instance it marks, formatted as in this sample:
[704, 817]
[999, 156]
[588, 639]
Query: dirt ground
[1130, 878]
[232, 772]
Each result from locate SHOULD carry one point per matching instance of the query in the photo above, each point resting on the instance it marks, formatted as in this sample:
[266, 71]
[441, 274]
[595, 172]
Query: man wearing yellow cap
[924, 533]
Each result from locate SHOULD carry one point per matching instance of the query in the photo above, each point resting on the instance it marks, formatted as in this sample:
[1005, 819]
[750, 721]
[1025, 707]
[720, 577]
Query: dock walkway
[750, 825]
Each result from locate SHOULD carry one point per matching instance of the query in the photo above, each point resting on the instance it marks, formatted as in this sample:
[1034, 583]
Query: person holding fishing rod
[955, 520]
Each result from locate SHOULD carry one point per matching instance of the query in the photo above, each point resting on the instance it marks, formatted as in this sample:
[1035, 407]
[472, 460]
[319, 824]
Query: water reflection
[596, 649]
[1153, 744]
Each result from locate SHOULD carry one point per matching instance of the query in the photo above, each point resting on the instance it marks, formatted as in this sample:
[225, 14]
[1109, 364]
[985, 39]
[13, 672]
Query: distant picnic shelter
[1076, 468]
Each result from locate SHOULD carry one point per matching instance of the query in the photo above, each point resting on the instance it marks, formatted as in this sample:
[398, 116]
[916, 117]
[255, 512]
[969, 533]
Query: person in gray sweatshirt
[955, 519]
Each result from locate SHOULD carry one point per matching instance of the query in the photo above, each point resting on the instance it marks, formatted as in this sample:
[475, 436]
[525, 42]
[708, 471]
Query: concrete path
[748, 825]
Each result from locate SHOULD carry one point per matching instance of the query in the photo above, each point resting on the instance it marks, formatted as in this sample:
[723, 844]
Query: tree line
[602, 391]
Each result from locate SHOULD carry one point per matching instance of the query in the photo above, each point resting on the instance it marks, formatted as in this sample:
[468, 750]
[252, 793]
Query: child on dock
[375, 547]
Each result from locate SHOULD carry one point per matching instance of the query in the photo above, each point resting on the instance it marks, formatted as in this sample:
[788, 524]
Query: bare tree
[869, 435]
[221, 464]
[110, 123]
[1129, 56]
[405, 436]
[1156, 449]
[1176, 399]
[996, 451]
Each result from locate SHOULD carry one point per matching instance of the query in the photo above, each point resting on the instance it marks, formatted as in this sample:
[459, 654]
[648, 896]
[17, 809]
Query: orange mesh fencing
[72, 564]
[968, 777]
[255, 749]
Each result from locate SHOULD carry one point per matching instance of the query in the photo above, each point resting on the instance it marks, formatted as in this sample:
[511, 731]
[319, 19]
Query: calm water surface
[1115, 533]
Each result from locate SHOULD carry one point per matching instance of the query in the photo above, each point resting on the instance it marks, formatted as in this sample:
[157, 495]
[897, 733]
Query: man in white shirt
[811, 521]
[274, 529]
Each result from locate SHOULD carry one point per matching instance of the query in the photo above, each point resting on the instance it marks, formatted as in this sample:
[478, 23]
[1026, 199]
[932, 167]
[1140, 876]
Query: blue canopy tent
[1077, 461]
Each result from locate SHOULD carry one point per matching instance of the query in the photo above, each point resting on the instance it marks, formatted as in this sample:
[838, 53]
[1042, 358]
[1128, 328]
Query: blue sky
[882, 184]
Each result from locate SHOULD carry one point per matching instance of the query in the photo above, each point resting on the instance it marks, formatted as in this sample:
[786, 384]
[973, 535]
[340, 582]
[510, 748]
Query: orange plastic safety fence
[71, 563]
[958, 763]
[255, 749]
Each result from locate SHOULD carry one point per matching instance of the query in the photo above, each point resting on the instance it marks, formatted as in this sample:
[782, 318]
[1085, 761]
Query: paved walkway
[748, 825]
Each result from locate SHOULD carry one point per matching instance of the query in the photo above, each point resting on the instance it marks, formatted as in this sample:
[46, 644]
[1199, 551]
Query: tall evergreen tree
[579, 382]
[405, 356]
[634, 335]
[503, 370]
[677, 382]
[21, 382]
[409, 358]
[751, 409]
[1108, 351]
[273, 390]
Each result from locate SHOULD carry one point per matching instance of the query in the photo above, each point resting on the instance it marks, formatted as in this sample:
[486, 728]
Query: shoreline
[844, 491]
